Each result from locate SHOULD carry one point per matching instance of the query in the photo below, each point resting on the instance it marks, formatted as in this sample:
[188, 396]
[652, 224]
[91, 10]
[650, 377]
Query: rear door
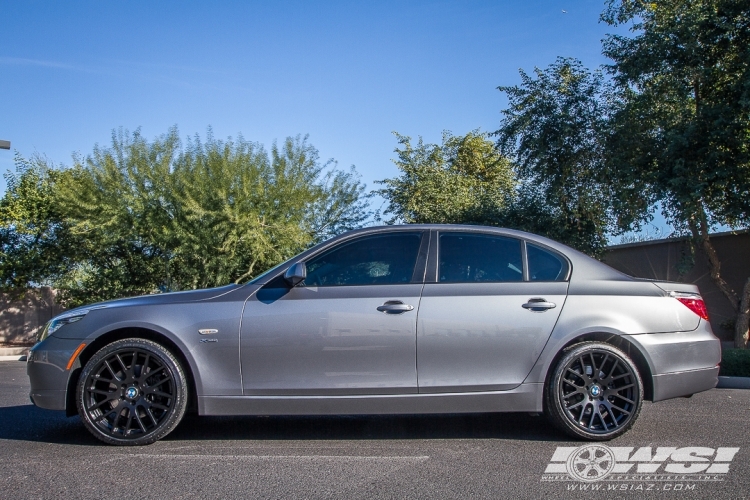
[488, 311]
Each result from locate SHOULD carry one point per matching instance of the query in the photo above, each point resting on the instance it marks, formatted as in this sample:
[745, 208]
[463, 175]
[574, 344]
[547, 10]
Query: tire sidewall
[180, 396]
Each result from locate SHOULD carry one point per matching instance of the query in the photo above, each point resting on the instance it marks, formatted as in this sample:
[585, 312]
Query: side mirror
[296, 273]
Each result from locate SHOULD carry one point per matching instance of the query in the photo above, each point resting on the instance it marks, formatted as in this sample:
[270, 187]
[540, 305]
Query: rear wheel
[132, 392]
[595, 392]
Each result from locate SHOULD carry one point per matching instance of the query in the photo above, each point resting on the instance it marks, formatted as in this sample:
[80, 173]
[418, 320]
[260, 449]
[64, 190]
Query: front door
[349, 328]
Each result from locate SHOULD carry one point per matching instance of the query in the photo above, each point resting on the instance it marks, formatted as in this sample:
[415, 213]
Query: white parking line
[278, 457]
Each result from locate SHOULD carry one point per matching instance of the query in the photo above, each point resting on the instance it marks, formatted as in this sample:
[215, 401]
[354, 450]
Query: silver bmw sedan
[386, 320]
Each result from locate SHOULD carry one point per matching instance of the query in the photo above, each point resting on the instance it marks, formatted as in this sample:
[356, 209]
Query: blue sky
[347, 73]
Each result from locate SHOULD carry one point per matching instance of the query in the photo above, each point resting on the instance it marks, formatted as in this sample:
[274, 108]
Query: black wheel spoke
[101, 392]
[598, 391]
[614, 367]
[621, 410]
[112, 371]
[134, 415]
[623, 398]
[106, 414]
[576, 374]
[594, 371]
[154, 372]
[129, 421]
[144, 367]
[604, 363]
[102, 403]
[141, 424]
[584, 375]
[151, 414]
[159, 393]
[576, 405]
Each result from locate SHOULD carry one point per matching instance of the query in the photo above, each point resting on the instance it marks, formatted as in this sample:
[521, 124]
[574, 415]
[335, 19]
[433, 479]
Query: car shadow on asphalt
[29, 423]
[517, 426]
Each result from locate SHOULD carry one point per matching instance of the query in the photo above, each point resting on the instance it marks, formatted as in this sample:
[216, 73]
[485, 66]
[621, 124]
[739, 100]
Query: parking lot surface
[46, 455]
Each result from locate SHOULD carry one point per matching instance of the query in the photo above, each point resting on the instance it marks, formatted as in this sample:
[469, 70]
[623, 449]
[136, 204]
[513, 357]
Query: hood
[163, 298]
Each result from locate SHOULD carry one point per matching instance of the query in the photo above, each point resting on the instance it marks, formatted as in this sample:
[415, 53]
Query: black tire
[132, 392]
[594, 393]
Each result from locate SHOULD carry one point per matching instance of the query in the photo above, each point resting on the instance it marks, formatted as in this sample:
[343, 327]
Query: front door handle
[395, 307]
[538, 305]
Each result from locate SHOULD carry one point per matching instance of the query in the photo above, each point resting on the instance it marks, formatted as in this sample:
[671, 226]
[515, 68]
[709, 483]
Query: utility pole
[4, 144]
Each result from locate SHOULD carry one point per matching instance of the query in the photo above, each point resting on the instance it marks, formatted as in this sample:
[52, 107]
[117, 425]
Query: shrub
[735, 363]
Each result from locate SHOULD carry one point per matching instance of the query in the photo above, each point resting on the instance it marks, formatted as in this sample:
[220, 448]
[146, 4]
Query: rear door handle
[395, 307]
[538, 305]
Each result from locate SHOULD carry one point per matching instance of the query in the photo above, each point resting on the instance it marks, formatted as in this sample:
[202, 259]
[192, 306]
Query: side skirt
[526, 397]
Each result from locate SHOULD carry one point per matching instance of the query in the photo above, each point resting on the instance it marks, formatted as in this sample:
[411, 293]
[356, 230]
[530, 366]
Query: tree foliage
[682, 134]
[36, 246]
[684, 129]
[554, 130]
[154, 215]
[463, 180]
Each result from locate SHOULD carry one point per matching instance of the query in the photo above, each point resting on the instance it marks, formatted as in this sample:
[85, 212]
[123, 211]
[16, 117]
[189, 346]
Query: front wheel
[132, 392]
[595, 392]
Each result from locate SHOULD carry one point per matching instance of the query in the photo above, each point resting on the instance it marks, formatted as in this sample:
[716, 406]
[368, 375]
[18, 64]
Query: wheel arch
[622, 343]
[126, 333]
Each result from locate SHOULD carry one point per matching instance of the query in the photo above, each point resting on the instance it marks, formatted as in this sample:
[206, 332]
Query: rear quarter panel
[619, 308]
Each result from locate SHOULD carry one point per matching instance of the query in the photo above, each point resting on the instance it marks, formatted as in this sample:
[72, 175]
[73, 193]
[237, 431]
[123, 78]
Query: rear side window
[545, 265]
[477, 258]
[384, 259]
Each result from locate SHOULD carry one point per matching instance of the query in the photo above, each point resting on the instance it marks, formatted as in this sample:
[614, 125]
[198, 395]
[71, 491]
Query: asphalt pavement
[46, 455]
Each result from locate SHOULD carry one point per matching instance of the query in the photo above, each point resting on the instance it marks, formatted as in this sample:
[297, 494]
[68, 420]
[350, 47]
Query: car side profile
[386, 320]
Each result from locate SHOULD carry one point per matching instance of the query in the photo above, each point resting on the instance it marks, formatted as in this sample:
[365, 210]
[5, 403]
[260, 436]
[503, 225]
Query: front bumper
[46, 367]
[682, 363]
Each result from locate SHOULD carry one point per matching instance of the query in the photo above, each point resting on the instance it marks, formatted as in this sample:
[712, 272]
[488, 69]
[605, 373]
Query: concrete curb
[13, 358]
[14, 351]
[734, 383]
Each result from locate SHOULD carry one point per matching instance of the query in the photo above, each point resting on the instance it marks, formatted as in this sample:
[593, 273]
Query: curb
[734, 383]
[13, 358]
[14, 351]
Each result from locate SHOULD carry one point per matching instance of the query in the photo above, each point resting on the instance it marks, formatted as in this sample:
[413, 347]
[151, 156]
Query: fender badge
[203, 341]
[208, 331]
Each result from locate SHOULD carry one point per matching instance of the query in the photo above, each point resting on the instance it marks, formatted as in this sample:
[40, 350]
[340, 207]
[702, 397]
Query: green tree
[555, 129]
[464, 180]
[36, 246]
[151, 215]
[683, 131]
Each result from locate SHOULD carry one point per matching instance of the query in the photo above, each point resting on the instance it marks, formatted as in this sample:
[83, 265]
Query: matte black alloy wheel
[596, 392]
[132, 392]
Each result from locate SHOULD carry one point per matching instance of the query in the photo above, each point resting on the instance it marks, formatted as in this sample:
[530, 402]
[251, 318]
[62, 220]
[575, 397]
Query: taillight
[694, 303]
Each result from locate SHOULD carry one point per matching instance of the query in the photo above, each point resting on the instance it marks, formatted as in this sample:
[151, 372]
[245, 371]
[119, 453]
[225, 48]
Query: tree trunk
[743, 318]
[700, 232]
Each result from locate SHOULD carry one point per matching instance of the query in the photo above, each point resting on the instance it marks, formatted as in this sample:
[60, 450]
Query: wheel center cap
[595, 391]
[131, 393]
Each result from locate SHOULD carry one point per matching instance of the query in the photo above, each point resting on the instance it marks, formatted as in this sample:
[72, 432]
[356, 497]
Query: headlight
[64, 319]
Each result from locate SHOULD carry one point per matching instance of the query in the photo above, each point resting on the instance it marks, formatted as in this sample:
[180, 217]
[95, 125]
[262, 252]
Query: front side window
[477, 258]
[383, 259]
